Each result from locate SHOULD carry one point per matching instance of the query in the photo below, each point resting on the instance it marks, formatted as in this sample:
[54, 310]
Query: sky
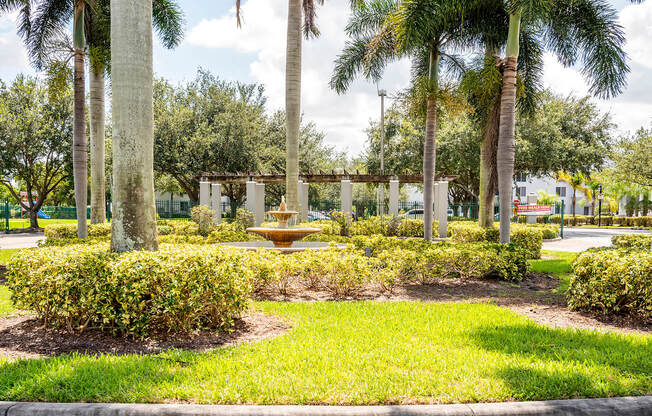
[256, 53]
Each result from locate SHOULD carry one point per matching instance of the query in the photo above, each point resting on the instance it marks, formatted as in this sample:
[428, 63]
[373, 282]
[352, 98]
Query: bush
[204, 217]
[612, 281]
[245, 219]
[633, 241]
[69, 231]
[413, 228]
[344, 221]
[228, 232]
[181, 227]
[529, 237]
[176, 289]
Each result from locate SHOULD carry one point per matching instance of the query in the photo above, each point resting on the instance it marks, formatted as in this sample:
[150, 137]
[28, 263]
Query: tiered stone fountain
[282, 238]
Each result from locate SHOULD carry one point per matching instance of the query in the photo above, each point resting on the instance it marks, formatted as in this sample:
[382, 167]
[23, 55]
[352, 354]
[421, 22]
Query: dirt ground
[23, 336]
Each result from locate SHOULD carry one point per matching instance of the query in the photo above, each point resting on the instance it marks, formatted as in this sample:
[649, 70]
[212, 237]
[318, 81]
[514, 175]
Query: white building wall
[550, 185]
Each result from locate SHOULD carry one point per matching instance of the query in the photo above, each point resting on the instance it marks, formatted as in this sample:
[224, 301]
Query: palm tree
[298, 11]
[585, 30]
[576, 182]
[132, 76]
[427, 32]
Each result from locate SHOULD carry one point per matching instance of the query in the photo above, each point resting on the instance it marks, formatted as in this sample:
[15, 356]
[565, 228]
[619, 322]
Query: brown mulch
[25, 337]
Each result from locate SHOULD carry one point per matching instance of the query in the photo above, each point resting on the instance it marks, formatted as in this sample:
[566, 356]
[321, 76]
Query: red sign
[533, 209]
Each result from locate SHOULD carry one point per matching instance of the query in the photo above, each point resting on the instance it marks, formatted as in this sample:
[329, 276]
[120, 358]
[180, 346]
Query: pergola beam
[279, 178]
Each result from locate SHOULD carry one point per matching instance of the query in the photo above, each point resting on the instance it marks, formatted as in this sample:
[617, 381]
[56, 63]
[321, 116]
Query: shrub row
[612, 281]
[643, 221]
[633, 241]
[68, 231]
[529, 237]
[177, 289]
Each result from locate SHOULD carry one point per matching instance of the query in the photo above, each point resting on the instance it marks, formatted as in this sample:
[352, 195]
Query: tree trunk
[79, 146]
[98, 187]
[134, 216]
[33, 219]
[505, 153]
[488, 172]
[293, 102]
[430, 146]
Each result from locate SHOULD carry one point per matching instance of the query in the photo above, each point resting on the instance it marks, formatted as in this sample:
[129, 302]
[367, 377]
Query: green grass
[6, 254]
[359, 353]
[559, 266]
[18, 223]
[6, 305]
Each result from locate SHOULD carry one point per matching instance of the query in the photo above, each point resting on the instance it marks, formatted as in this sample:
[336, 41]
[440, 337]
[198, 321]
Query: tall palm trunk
[430, 145]
[488, 172]
[134, 220]
[98, 188]
[79, 145]
[293, 102]
[505, 154]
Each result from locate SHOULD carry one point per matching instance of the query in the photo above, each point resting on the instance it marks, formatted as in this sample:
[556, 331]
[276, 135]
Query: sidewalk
[24, 240]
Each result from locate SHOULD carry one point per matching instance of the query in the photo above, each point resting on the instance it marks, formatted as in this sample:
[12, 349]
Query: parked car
[418, 214]
[316, 216]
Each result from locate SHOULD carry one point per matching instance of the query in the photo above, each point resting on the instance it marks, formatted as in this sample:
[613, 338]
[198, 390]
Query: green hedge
[633, 241]
[176, 289]
[612, 281]
[606, 220]
[67, 231]
[529, 237]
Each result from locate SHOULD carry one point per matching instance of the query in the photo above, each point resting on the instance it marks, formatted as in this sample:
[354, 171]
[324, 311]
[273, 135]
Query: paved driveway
[26, 240]
[582, 238]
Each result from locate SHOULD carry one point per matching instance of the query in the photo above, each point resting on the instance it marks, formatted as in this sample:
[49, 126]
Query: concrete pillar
[393, 197]
[250, 203]
[435, 201]
[259, 209]
[303, 201]
[216, 201]
[531, 200]
[347, 197]
[442, 202]
[205, 193]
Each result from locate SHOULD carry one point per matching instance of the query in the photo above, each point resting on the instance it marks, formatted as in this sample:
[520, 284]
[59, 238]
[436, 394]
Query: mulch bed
[25, 337]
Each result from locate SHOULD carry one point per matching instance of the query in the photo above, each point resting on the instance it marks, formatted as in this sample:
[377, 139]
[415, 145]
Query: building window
[586, 210]
[561, 191]
[521, 177]
[521, 191]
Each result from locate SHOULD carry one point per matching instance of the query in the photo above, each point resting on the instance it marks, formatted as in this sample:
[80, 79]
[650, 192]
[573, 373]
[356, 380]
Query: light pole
[382, 94]
[600, 198]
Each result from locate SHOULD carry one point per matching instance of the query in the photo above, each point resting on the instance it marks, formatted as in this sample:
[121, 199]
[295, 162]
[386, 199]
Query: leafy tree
[35, 139]
[577, 183]
[633, 157]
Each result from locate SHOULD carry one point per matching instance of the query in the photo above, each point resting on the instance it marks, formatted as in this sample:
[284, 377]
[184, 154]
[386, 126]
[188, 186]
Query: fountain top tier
[282, 215]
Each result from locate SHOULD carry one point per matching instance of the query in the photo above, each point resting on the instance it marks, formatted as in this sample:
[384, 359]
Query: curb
[549, 240]
[621, 406]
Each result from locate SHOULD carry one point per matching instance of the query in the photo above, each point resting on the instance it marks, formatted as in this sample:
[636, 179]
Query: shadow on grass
[550, 363]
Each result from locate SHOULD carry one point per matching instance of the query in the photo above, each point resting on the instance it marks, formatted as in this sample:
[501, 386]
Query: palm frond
[367, 20]
[168, 20]
[49, 21]
[530, 69]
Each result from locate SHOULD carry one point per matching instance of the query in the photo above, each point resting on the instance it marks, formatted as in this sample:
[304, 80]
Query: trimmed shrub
[529, 237]
[612, 281]
[204, 217]
[633, 241]
[69, 231]
[176, 289]
[413, 228]
[180, 227]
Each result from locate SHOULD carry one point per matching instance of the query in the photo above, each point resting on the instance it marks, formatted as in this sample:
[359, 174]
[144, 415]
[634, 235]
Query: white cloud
[13, 57]
[263, 33]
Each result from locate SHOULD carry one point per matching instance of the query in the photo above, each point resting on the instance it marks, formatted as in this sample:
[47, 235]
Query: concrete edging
[620, 406]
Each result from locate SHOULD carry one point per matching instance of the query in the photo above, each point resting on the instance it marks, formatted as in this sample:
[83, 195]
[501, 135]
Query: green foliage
[69, 231]
[413, 228]
[633, 241]
[529, 237]
[633, 158]
[344, 221]
[245, 219]
[204, 217]
[176, 289]
[612, 281]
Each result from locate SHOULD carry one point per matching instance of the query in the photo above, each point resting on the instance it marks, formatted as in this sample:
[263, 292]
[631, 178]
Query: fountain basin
[283, 237]
[268, 245]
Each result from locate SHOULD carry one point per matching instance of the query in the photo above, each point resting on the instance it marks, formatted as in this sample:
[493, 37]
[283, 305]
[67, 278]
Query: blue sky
[255, 53]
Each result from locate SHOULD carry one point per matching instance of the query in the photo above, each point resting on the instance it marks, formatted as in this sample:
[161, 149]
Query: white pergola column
[393, 197]
[347, 197]
[216, 201]
[259, 209]
[250, 203]
[441, 196]
[205, 193]
[303, 201]
[531, 200]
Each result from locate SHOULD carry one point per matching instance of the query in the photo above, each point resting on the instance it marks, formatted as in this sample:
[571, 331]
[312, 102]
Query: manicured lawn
[6, 254]
[17, 223]
[559, 266]
[359, 353]
[6, 306]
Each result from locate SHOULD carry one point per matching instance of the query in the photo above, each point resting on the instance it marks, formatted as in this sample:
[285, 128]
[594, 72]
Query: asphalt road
[581, 238]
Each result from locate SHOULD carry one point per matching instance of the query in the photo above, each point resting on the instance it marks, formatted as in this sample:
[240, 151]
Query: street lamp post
[600, 198]
[382, 94]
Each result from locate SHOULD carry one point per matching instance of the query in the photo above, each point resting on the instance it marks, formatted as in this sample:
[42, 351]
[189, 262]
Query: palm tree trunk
[79, 145]
[574, 199]
[430, 146]
[488, 172]
[98, 188]
[505, 153]
[134, 219]
[293, 102]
